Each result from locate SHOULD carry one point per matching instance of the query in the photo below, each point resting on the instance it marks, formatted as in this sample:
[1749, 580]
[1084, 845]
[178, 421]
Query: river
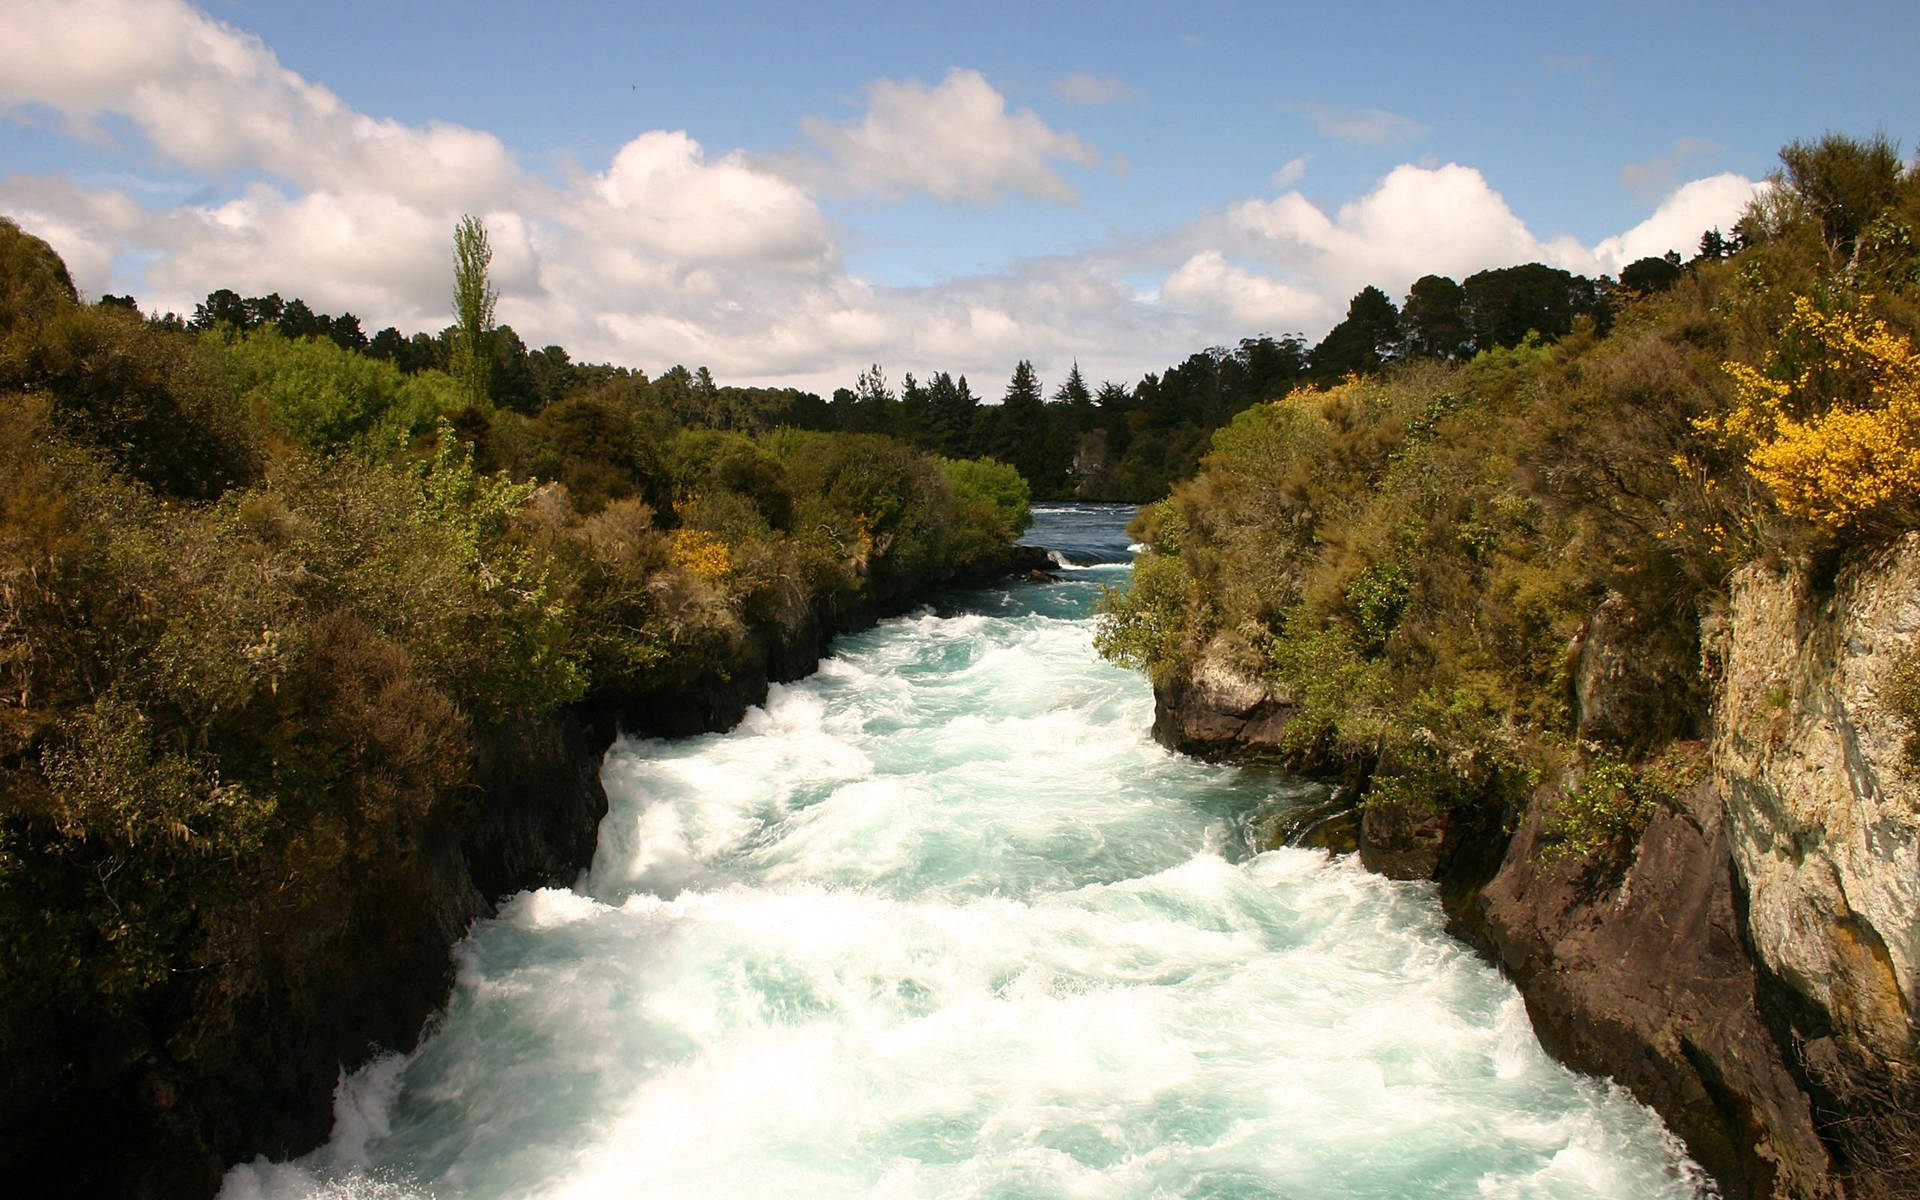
[943, 921]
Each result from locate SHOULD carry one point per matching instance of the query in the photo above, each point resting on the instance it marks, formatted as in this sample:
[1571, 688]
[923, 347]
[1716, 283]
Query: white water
[942, 921]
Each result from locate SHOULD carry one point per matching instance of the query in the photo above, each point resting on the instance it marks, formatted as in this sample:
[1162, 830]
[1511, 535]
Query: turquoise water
[942, 921]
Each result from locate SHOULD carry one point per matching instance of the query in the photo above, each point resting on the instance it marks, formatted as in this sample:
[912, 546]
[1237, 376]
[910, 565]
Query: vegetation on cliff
[1491, 580]
[264, 597]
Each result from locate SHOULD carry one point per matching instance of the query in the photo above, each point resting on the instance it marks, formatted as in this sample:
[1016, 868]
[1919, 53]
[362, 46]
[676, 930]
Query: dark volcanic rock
[1643, 973]
[1407, 841]
[1219, 711]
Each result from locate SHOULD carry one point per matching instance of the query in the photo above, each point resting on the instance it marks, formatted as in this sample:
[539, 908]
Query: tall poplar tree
[473, 302]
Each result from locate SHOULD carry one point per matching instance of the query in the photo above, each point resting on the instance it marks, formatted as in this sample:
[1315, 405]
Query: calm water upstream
[942, 921]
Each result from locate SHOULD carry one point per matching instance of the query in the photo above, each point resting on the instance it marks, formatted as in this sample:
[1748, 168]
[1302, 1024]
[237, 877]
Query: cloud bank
[673, 252]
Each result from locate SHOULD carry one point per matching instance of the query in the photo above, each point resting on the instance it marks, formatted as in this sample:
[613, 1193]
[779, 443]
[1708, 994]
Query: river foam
[941, 921]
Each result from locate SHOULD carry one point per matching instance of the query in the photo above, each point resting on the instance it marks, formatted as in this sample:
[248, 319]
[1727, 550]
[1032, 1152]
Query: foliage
[1844, 183]
[700, 554]
[327, 398]
[1651, 274]
[1604, 810]
[1832, 424]
[1144, 624]
[991, 506]
[474, 297]
[267, 598]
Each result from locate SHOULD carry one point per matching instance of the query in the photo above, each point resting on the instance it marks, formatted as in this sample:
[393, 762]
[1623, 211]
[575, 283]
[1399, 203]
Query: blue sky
[787, 193]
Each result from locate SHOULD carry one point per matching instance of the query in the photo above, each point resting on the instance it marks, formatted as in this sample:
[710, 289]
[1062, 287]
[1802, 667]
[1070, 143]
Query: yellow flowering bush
[701, 555]
[1832, 424]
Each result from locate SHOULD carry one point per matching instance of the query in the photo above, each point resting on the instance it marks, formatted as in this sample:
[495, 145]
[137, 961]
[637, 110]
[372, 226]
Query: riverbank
[1744, 965]
[368, 961]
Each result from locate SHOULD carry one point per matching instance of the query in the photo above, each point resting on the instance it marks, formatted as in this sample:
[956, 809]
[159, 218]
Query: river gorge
[943, 920]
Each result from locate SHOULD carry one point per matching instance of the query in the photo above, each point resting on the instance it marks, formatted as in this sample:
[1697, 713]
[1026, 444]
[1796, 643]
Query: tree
[297, 321]
[222, 307]
[951, 408]
[1271, 365]
[1505, 305]
[1364, 341]
[916, 413]
[1434, 319]
[1649, 275]
[513, 384]
[346, 332]
[872, 402]
[474, 298]
[263, 310]
[1844, 183]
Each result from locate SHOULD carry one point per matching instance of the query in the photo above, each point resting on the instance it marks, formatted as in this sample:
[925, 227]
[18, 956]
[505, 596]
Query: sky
[787, 193]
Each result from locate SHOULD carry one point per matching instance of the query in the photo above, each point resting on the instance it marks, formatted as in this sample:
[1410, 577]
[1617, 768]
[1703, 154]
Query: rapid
[943, 921]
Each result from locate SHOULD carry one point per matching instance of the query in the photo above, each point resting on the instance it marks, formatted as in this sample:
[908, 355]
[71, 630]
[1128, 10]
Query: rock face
[1751, 967]
[1823, 807]
[1639, 971]
[1823, 823]
[221, 1070]
[1222, 710]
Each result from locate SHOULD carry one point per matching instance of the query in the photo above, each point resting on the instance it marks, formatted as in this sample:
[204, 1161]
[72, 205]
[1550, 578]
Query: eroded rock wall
[1823, 807]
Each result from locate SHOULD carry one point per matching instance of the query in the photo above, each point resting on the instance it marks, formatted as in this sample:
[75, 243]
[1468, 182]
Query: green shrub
[1144, 624]
[991, 508]
[328, 398]
[1604, 809]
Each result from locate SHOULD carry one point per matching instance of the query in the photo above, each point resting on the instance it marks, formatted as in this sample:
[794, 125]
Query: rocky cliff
[1747, 965]
[1821, 785]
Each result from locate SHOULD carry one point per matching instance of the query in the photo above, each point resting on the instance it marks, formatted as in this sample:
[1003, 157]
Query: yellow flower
[1841, 443]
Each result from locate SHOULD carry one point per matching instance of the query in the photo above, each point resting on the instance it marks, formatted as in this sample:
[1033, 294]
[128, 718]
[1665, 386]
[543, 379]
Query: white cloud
[659, 192]
[668, 253]
[1292, 171]
[1712, 203]
[210, 98]
[1371, 126]
[954, 141]
[1090, 91]
[1208, 283]
[1417, 220]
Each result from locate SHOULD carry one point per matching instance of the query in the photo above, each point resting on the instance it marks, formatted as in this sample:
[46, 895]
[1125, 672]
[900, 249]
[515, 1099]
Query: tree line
[1105, 441]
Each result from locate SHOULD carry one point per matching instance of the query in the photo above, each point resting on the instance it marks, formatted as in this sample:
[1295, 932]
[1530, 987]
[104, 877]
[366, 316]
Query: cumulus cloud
[1369, 126]
[1089, 91]
[1712, 203]
[210, 97]
[1286, 263]
[668, 252]
[661, 193]
[953, 141]
[1418, 220]
[1209, 283]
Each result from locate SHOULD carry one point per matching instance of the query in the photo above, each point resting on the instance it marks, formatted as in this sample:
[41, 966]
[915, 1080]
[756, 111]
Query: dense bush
[265, 599]
[1418, 559]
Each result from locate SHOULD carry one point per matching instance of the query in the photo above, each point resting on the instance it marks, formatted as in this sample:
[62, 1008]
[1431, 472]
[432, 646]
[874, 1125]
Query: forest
[1102, 442]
